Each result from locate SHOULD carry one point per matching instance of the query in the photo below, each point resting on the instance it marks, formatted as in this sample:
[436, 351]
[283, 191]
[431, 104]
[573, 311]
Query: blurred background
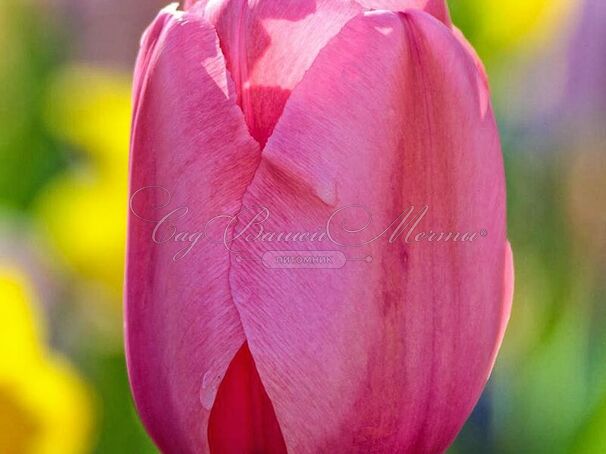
[65, 77]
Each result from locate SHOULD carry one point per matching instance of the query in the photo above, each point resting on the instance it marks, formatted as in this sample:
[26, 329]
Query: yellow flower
[90, 108]
[513, 26]
[524, 23]
[85, 219]
[45, 408]
[84, 210]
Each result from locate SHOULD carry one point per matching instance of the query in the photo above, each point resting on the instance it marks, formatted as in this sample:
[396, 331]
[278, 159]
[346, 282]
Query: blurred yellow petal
[47, 411]
[497, 27]
[20, 339]
[63, 404]
[524, 23]
[45, 407]
[85, 220]
[90, 108]
[19, 425]
[84, 211]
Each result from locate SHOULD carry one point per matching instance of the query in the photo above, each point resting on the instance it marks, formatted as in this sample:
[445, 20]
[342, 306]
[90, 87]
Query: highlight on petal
[268, 46]
[437, 8]
[389, 356]
[147, 46]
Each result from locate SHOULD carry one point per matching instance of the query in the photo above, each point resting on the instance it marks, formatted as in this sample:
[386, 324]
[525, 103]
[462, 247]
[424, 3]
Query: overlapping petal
[268, 46]
[190, 148]
[389, 356]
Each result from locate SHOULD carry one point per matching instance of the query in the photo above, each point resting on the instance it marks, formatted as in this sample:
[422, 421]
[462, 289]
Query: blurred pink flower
[304, 108]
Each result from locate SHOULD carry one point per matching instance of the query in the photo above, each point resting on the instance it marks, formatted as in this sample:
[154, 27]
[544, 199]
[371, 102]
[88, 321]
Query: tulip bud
[297, 136]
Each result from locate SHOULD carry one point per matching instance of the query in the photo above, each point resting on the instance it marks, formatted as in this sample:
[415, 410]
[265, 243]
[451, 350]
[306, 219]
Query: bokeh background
[65, 73]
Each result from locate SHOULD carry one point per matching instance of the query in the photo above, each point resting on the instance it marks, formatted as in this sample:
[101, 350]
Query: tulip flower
[323, 113]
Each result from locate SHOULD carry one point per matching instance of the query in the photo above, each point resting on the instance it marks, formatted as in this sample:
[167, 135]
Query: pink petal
[269, 45]
[388, 356]
[148, 45]
[437, 8]
[189, 137]
[242, 418]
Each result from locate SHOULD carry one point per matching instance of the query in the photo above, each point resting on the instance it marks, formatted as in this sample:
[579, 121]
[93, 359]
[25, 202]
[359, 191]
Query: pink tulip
[303, 108]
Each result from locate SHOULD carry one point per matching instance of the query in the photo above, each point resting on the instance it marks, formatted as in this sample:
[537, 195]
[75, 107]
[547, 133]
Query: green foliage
[29, 156]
